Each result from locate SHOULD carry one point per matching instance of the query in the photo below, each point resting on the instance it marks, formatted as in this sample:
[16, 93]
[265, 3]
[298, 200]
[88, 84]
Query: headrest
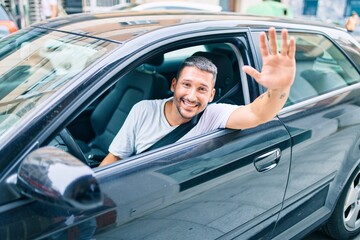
[150, 65]
[156, 60]
[308, 53]
[224, 67]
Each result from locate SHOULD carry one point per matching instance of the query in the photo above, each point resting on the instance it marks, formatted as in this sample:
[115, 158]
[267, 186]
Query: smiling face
[193, 90]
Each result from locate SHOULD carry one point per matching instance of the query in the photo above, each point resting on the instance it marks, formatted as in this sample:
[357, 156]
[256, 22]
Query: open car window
[95, 128]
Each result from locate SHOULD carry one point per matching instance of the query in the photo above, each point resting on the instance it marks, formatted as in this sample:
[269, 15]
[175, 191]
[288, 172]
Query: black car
[67, 85]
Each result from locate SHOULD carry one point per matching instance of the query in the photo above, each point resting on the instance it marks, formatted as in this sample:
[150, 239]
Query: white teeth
[189, 104]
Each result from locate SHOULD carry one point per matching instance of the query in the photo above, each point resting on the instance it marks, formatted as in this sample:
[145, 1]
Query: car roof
[178, 5]
[120, 26]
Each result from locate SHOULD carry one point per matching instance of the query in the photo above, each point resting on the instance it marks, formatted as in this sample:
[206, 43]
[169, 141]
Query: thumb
[252, 72]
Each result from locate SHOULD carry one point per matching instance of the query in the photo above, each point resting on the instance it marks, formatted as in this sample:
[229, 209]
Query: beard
[195, 108]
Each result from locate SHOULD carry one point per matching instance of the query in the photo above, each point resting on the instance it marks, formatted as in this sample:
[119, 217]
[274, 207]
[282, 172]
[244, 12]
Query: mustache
[188, 100]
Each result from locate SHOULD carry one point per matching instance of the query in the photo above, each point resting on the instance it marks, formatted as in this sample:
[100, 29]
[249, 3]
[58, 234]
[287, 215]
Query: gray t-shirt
[146, 124]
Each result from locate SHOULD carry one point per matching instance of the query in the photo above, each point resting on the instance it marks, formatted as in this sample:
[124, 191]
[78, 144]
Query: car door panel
[207, 188]
[317, 160]
[329, 114]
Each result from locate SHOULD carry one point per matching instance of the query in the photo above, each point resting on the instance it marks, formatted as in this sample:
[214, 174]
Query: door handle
[267, 161]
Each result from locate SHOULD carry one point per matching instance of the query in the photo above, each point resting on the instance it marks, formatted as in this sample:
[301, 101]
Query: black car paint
[215, 175]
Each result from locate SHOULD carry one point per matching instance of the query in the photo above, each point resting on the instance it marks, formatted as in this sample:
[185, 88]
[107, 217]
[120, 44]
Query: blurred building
[27, 12]
[101, 5]
[331, 11]
[20, 10]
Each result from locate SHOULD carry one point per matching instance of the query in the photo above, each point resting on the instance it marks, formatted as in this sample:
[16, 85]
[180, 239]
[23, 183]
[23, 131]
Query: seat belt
[233, 90]
[177, 133]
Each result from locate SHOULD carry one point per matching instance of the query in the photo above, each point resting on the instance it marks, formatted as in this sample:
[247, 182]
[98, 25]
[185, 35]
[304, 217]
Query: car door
[322, 116]
[218, 185]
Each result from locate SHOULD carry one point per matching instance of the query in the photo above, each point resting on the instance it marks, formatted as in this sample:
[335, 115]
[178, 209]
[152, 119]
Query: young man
[193, 89]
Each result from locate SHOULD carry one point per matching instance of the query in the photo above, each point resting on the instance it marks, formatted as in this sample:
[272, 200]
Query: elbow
[262, 119]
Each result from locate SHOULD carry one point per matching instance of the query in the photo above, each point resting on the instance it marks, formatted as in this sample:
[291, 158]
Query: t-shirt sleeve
[215, 116]
[218, 114]
[123, 145]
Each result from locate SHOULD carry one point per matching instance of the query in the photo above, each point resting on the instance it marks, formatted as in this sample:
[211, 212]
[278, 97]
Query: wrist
[280, 93]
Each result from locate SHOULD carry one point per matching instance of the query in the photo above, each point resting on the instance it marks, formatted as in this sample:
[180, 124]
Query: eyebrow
[204, 85]
[201, 84]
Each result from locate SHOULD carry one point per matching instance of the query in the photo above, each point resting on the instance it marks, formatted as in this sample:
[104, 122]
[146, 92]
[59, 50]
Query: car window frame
[236, 45]
[196, 41]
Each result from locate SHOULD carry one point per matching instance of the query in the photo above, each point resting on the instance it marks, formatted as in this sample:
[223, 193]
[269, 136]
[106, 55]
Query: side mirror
[53, 176]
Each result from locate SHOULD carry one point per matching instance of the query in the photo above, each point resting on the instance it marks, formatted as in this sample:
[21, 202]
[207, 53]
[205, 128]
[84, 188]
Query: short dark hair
[201, 63]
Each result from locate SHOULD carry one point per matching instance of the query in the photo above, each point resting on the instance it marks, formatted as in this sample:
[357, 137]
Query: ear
[212, 95]
[173, 83]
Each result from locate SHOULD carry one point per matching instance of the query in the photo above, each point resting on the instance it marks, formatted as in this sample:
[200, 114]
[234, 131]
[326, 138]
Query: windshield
[35, 63]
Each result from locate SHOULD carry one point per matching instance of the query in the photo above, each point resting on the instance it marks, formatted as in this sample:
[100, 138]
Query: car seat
[225, 76]
[109, 115]
[323, 81]
[301, 88]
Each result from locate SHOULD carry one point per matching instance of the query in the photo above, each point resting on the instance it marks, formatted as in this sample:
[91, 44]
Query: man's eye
[203, 90]
[186, 85]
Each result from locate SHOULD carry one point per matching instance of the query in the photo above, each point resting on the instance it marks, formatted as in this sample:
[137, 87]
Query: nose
[191, 94]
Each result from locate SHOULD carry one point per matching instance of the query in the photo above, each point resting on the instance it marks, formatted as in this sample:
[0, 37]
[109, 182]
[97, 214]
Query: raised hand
[278, 70]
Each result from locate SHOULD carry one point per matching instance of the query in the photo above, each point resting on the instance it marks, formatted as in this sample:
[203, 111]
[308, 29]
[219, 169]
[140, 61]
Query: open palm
[278, 69]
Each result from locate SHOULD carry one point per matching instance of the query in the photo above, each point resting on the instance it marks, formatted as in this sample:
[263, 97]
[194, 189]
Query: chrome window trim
[317, 99]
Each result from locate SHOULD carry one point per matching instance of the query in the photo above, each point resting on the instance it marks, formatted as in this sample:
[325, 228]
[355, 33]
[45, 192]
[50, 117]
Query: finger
[292, 48]
[263, 46]
[272, 40]
[284, 42]
[252, 72]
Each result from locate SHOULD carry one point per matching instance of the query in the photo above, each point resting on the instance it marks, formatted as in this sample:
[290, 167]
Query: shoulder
[220, 107]
[145, 107]
[145, 104]
[218, 112]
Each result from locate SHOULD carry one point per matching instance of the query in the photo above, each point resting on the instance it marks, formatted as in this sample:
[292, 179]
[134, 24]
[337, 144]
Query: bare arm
[110, 158]
[277, 75]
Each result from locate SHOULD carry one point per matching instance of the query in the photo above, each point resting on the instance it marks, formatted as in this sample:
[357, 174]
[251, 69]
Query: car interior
[90, 134]
[320, 68]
